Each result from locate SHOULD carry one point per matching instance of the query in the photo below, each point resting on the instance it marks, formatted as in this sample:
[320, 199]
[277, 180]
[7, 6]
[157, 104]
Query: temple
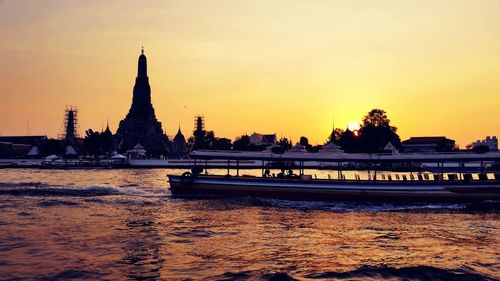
[179, 149]
[140, 126]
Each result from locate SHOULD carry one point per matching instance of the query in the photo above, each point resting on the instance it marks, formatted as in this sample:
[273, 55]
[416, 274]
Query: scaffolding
[199, 123]
[69, 129]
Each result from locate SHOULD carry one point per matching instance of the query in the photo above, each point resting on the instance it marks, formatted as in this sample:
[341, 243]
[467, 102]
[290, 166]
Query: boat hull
[415, 191]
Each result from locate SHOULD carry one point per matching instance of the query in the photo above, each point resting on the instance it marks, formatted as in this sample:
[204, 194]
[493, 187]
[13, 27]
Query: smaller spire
[107, 131]
[142, 50]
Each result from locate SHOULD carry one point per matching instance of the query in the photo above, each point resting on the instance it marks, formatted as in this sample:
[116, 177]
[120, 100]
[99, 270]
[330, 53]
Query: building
[330, 148]
[428, 144]
[199, 125]
[261, 139]
[490, 142]
[179, 148]
[140, 126]
[137, 152]
[390, 148]
[11, 146]
[70, 125]
[25, 140]
[298, 148]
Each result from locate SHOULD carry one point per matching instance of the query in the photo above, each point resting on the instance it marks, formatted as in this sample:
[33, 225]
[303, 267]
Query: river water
[124, 225]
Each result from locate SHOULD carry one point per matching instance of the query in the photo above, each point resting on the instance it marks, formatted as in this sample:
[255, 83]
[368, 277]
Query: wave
[71, 274]
[26, 184]
[219, 203]
[353, 206]
[405, 273]
[44, 189]
[365, 272]
[252, 275]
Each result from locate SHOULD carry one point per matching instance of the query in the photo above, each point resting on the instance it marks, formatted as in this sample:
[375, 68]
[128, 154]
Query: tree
[348, 141]
[376, 132]
[201, 140]
[376, 118]
[221, 144]
[335, 136]
[91, 143]
[52, 147]
[106, 142]
[207, 140]
[285, 143]
[242, 143]
[97, 144]
[481, 148]
[304, 141]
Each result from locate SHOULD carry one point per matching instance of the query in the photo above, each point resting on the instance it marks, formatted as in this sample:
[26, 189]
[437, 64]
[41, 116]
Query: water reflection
[142, 246]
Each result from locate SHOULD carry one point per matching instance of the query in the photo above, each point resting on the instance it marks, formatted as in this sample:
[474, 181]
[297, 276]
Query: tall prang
[70, 124]
[140, 126]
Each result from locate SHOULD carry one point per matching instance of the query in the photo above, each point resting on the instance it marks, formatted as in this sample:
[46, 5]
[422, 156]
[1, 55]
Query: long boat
[378, 186]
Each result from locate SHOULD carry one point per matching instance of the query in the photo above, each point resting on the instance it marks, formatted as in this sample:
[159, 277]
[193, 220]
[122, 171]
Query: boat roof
[345, 157]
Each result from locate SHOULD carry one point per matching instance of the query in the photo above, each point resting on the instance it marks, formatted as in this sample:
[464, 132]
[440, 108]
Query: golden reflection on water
[152, 236]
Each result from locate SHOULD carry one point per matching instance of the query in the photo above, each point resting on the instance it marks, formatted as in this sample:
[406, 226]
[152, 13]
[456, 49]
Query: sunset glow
[283, 67]
[353, 126]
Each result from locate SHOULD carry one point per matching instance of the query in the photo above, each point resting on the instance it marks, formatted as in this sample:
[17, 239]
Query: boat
[416, 186]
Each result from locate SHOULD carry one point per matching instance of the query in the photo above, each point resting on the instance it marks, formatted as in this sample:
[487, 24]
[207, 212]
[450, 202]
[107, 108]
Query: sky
[287, 67]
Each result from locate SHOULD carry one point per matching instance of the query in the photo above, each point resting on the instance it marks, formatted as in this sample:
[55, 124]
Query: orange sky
[288, 67]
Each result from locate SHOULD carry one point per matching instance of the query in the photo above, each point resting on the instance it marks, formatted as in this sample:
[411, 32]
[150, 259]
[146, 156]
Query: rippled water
[123, 224]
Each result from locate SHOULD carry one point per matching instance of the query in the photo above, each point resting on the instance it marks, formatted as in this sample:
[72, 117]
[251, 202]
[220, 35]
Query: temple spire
[142, 67]
[140, 125]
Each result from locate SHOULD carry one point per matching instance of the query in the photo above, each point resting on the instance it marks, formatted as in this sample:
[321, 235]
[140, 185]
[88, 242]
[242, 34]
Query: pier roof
[346, 157]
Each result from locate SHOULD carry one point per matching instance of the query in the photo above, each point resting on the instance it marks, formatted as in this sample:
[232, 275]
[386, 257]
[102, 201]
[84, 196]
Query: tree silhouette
[335, 136]
[52, 147]
[305, 142]
[285, 143]
[241, 143]
[221, 144]
[376, 132]
[376, 118]
[97, 144]
[348, 141]
[207, 140]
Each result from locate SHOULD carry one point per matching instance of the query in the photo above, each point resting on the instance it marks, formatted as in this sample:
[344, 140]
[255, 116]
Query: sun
[353, 126]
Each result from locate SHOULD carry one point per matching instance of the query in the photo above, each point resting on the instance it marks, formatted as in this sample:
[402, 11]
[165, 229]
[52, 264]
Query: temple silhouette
[140, 126]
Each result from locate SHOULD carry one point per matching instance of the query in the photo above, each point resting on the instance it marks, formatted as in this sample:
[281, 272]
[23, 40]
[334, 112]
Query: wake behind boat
[415, 187]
